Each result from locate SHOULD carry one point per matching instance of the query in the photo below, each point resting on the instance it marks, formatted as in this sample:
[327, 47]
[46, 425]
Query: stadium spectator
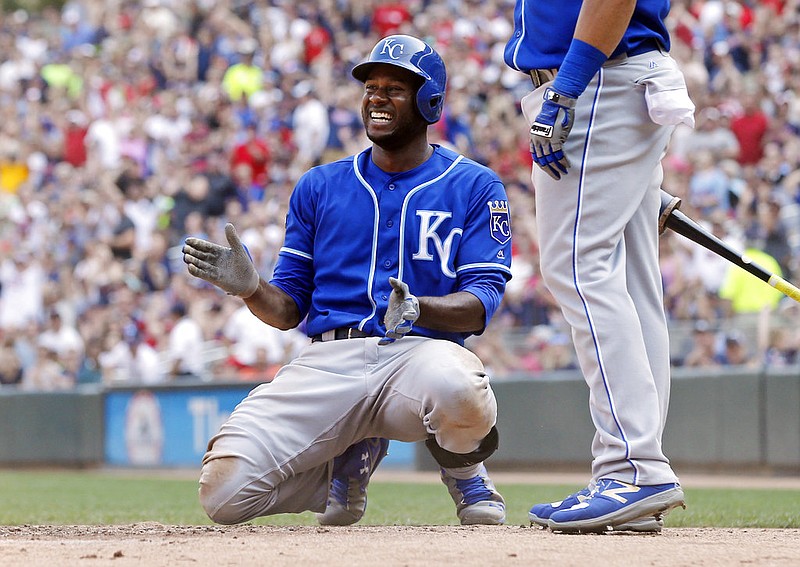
[46, 374]
[750, 128]
[310, 124]
[735, 351]
[781, 350]
[60, 338]
[221, 186]
[10, 364]
[256, 350]
[130, 359]
[244, 78]
[703, 351]
[253, 151]
[185, 345]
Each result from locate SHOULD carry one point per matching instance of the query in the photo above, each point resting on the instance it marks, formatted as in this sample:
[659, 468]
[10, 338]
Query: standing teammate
[596, 66]
[394, 255]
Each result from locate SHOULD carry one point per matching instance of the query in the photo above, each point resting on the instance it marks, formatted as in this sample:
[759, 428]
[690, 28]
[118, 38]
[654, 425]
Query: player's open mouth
[380, 117]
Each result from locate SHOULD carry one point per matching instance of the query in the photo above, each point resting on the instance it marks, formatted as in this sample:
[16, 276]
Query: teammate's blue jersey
[349, 221]
[543, 32]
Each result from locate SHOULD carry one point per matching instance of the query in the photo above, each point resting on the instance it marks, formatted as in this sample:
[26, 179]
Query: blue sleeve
[489, 287]
[484, 262]
[294, 270]
[293, 274]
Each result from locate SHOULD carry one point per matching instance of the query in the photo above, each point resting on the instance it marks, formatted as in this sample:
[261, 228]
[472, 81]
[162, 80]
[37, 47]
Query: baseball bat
[670, 217]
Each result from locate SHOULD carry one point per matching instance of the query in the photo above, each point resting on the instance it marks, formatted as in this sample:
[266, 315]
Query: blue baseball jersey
[441, 227]
[543, 32]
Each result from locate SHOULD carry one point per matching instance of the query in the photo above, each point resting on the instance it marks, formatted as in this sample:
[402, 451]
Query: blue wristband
[580, 65]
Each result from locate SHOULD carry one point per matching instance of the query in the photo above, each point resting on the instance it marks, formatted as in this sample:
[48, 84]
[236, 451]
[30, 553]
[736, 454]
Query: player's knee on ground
[219, 492]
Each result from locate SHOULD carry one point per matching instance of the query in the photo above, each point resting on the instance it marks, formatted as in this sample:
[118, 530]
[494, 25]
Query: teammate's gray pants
[284, 436]
[598, 237]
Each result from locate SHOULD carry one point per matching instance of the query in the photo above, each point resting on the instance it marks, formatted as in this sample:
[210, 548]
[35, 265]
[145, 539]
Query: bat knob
[668, 204]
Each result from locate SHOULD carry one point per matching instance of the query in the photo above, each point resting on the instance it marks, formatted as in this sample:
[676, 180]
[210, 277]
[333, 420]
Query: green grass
[95, 497]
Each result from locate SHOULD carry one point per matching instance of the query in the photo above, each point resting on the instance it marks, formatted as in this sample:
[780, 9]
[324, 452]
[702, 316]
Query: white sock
[463, 473]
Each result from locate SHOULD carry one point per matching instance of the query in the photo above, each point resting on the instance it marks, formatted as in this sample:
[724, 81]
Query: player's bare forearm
[459, 312]
[602, 23]
[273, 306]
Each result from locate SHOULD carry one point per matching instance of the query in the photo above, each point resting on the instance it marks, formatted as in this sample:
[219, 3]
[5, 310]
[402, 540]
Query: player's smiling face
[388, 106]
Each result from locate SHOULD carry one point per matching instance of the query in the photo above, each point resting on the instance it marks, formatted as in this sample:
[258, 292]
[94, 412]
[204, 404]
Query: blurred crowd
[126, 126]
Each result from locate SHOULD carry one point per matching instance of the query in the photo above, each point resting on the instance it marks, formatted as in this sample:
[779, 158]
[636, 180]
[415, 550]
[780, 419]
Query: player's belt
[338, 334]
[541, 76]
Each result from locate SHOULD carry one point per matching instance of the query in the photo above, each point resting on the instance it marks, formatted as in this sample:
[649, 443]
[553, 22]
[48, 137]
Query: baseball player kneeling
[393, 256]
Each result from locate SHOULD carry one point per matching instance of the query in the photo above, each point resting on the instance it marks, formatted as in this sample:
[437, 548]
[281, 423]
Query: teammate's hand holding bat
[401, 314]
[549, 131]
[230, 269]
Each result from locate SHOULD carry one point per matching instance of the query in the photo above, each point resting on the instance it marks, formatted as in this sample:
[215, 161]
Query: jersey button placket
[391, 204]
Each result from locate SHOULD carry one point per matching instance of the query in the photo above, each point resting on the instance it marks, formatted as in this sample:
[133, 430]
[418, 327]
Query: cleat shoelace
[473, 490]
[338, 491]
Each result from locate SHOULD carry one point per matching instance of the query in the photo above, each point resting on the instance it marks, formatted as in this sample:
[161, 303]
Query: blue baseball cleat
[540, 514]
[477, 500]
[614, 504]
[347, 495]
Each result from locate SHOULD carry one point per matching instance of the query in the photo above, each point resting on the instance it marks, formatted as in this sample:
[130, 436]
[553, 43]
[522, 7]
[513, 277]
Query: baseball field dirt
[402, 546]
[386, 546]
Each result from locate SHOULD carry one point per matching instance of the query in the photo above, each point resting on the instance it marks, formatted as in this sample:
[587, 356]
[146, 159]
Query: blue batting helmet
[419, 58]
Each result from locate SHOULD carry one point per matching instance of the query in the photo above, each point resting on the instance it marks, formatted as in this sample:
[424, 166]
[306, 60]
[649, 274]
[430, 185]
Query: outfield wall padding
[729, 420]
[59, 428]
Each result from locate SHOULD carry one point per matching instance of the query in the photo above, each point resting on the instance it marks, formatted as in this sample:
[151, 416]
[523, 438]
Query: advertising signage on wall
[170, 427]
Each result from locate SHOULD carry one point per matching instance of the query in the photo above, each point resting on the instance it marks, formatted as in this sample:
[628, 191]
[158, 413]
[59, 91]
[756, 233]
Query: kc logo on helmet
[391, 48]
[499, 221]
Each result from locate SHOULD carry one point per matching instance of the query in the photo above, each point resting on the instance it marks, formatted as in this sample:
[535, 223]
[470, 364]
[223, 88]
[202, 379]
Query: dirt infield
[403, 546]
[388, 546]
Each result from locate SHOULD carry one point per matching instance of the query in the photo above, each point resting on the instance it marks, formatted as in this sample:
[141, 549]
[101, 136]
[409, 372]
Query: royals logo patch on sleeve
[499, 221]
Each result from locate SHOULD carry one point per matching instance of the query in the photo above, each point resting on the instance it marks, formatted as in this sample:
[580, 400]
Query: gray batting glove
[549, 132]
[230, 269]
[401, 314]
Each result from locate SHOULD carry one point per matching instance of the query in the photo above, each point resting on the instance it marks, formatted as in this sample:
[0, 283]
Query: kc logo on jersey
[429, 222]
[499, 221]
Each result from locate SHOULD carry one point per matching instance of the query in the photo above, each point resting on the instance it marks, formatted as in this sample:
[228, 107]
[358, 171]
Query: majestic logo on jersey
[429, 222]
[499, 221]
[391, 48]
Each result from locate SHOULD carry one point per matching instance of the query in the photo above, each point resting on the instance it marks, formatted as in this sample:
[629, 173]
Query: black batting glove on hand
[230, 269]
[401, 314]
[549, 133]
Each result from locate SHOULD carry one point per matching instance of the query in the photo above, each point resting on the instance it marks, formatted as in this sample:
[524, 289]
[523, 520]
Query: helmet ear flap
[430, 103]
